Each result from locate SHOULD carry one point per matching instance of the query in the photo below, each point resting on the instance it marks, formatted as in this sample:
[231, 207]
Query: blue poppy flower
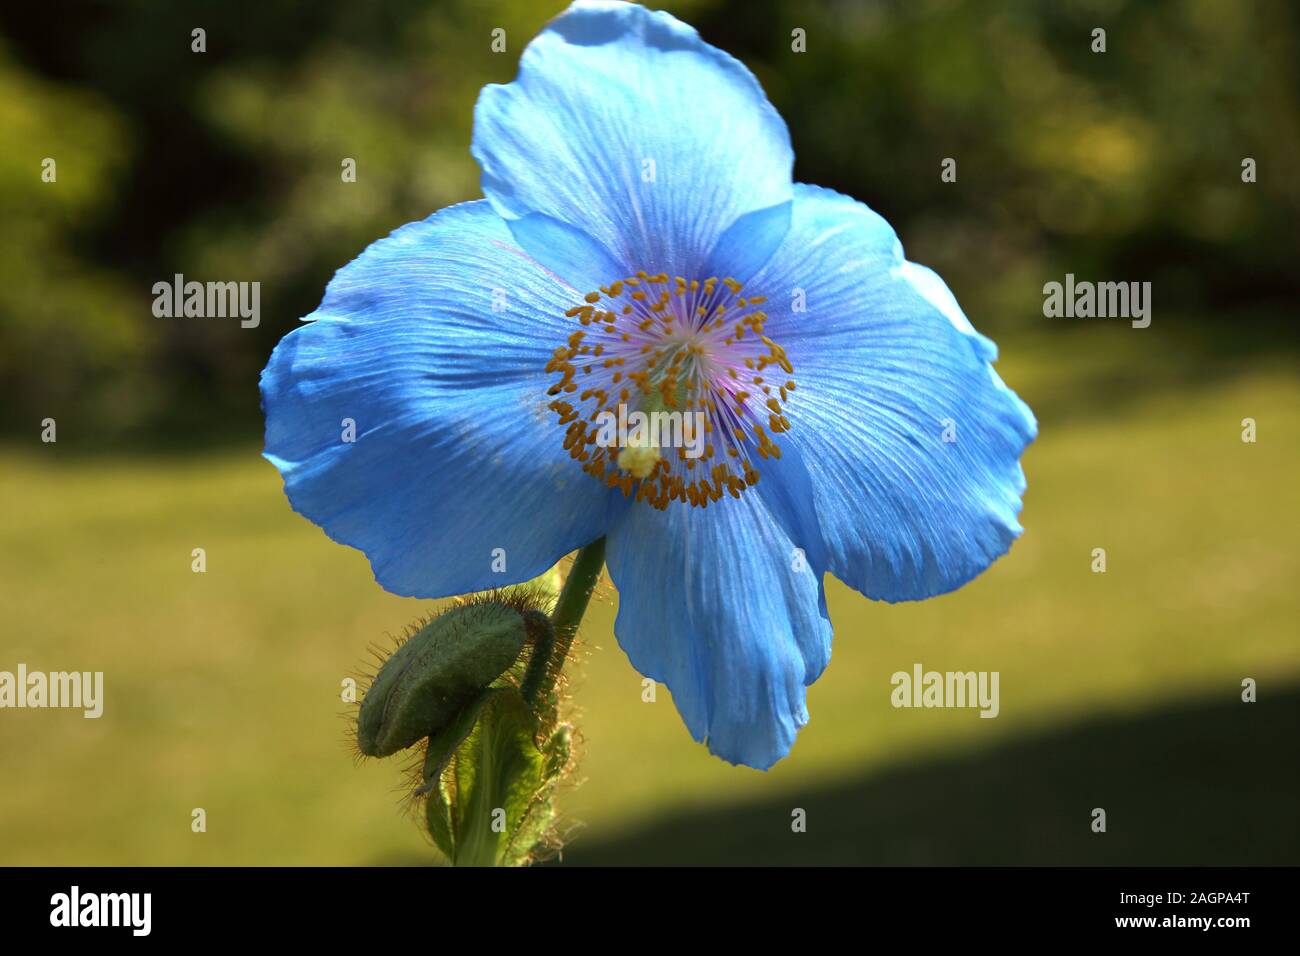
[642, 243]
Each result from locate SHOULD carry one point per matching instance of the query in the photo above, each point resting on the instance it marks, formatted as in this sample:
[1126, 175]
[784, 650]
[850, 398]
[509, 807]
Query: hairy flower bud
[440, 668]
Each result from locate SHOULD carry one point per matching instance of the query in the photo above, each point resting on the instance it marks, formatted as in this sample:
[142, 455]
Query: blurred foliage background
[225, 165]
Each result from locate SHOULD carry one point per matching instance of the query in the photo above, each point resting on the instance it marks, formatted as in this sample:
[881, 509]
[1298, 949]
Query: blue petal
[884, 361]
[749, 243]
[568, 252]
[610, 93]
[434, 342]
[717, 604]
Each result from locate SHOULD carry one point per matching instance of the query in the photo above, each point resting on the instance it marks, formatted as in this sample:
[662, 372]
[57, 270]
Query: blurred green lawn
[1118, 690]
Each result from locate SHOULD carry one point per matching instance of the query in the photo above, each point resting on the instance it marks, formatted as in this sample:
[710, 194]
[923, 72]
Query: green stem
[576, 593]
[569, 608]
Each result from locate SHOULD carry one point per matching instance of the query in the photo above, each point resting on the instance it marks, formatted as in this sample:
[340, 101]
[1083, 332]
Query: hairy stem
[569, 608]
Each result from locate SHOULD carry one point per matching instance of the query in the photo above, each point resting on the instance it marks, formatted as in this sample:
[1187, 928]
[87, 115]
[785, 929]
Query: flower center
[670, 387]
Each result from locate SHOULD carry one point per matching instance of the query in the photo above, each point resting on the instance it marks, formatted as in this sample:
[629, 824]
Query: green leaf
[490, 787]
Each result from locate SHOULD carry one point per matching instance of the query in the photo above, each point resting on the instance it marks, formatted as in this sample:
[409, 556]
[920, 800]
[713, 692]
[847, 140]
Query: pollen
[689, 357]
[638, 460]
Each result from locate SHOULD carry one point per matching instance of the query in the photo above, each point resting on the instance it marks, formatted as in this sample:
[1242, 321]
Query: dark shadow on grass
[1209, 783]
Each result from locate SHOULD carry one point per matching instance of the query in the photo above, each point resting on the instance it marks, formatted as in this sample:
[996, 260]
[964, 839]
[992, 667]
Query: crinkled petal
[886, 367]
[725, 606]
[625, 124]
[434, 342]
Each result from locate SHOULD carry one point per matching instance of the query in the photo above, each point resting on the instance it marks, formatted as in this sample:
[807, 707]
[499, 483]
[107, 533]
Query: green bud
[440, 669]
